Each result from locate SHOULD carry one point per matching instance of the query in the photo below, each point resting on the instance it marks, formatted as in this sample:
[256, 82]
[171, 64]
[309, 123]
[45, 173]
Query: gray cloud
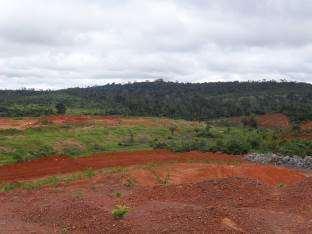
[57, 44]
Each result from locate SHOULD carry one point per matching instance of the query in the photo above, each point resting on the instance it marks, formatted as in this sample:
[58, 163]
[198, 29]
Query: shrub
[88, 173]
[296, 147]
[128, 140]
[205, 132]
[158, 144]
[71, 151]
[10, 131]
[236, 146]
[250, 121]
[120, 211]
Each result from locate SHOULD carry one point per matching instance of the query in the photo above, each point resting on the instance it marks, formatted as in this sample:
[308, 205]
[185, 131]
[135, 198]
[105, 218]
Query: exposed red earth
[205, 193]
[306, 126]
[82, 119]
[275, 120]
[24, 123]
[58, 165]
[190, 192]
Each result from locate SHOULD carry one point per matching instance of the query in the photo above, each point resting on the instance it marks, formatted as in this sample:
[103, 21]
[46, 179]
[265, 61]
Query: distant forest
[191, 101]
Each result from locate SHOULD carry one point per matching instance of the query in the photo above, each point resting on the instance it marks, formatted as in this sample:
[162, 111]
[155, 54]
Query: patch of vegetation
[129, 183]
[88, 173]
[118, 194]
[75, 141]
[163, 181]
[281, 185]
[234, 140]
[81, 140]
[49, 181]
[120, 211]
[296, 147]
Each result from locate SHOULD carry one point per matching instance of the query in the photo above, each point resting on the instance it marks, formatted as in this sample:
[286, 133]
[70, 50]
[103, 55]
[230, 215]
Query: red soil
[224, 205]
[180, 173]
[57, 165]
[82, 119]
[276, 120]
[6, 123]
[306, 126]
[24, 123]
[207, 193]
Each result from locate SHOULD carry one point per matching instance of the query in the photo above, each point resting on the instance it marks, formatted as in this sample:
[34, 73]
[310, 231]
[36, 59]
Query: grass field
[86, 138]
[80, 139]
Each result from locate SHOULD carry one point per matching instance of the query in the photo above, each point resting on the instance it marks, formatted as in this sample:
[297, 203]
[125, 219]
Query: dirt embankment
[275, 120]
[58, 165]
[191, 167]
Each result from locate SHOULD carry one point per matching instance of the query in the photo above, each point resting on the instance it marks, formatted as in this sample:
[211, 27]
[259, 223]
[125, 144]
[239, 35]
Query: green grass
[83, 140]
[64, 179]
[120, 211]
[40, 142]
[49, 181]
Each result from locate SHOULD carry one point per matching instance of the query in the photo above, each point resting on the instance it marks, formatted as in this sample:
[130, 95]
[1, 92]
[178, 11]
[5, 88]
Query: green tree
[60, 108]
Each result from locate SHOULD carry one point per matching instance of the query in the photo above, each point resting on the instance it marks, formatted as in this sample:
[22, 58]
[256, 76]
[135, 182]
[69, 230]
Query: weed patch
[120, 211]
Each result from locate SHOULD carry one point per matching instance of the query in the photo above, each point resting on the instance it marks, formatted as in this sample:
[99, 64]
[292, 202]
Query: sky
[53, 44]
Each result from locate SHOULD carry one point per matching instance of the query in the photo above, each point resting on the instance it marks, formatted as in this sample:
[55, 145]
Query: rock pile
[277, 159]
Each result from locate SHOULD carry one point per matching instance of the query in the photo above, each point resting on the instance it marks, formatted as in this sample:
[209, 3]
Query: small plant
[129, 183]
[165, 181]
[10, 186]
[281, 185]
[118, 194]
[88, 173]
[162, 181]
[172, 128]
[120, 211]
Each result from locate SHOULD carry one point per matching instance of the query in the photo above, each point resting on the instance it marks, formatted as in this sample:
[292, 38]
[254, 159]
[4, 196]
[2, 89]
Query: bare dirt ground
[275, 120]
[58, 165]
[24, 123]
[169, 193]
[7, 123]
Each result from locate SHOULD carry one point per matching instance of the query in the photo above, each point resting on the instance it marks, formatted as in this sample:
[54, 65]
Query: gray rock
[277, 159]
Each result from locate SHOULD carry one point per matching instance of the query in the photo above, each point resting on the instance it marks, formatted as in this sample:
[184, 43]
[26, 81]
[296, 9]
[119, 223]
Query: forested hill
[171, 99]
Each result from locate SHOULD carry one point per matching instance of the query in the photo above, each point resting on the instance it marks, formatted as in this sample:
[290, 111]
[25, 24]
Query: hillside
[191, 101]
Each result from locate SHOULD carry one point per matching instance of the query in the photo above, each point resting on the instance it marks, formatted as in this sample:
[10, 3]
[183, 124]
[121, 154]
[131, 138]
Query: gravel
[277, 159]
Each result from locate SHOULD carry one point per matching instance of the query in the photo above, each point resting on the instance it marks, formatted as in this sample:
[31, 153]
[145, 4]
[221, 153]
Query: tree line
[191, 101]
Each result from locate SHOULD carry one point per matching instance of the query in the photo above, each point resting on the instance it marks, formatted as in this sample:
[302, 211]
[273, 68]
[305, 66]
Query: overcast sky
[65, 43]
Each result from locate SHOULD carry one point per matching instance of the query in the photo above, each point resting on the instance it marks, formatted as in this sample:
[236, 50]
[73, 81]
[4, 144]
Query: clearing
[165, 191]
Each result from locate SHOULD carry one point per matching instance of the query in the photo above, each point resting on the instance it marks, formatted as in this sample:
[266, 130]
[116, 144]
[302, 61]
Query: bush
[236, 146]
[205, 132]
[296, 147]
[250, 121]
[120, 211]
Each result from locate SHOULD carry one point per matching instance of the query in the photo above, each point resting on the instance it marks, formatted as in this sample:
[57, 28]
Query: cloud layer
[65, 43]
